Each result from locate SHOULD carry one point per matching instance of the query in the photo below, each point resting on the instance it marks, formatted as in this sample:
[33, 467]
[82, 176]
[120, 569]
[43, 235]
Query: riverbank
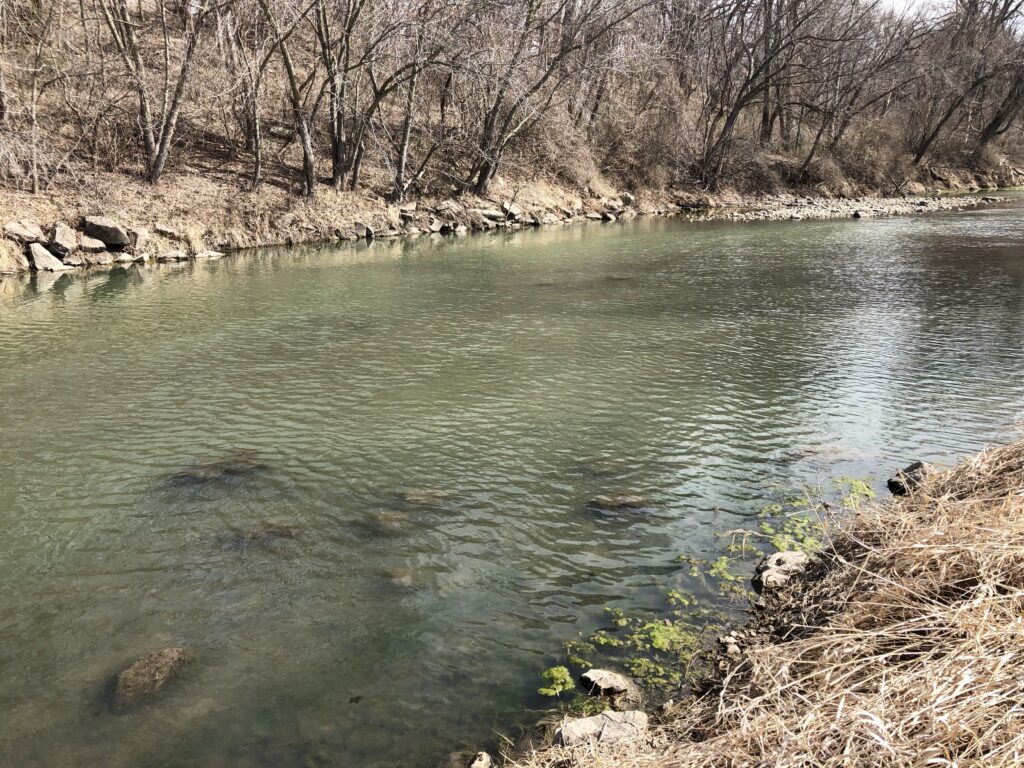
[194, 217]
[900, 645]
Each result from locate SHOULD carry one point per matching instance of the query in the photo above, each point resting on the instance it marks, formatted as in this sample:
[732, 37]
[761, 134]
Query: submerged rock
[617, 502]
[605, 728]
[149, 675]
[776, 570]
[426, 496]
[265, 536]
[236, 464]
[400, 577]
[387, 522]
[907, 479]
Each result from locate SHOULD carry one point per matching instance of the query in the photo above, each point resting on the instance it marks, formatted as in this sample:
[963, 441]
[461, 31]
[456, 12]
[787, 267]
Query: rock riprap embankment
[103, 240]
[792, 207]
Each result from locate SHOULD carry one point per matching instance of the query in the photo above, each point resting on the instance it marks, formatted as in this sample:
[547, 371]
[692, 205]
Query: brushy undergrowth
[903, 646]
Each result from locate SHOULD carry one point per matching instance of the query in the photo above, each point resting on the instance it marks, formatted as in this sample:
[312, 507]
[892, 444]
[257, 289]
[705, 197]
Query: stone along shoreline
[105, 241]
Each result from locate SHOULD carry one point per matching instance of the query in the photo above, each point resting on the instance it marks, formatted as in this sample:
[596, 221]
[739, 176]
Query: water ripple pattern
[355, 480]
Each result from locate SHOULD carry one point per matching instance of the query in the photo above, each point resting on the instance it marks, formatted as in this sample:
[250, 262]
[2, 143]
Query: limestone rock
[775, 570]
[363, 230]
[24, 231]
[12, 258]
[97, 258]
[172, 256]
[481, 760]
[604, 682]
[604, 728]
[105, 229]
[139, 237]
[209, 255]
[63, 241]
[44, 261]
[149, 675]
[907, 479]
[91, 244]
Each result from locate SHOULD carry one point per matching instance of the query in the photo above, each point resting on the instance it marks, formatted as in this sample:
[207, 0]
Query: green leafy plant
[558, 680]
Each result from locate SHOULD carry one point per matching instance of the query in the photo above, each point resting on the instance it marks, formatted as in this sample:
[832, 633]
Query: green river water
[335, 621]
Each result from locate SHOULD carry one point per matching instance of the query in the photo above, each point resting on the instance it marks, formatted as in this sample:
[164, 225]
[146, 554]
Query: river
[425, 422]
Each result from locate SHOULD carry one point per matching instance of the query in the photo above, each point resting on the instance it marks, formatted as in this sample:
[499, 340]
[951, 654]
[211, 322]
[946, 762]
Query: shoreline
[74, 235]
[827, 668]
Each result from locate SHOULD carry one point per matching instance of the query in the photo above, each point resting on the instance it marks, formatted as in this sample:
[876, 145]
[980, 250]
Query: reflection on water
[373, 488]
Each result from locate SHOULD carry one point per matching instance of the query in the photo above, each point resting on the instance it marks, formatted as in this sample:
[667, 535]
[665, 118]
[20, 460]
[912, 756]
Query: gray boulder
[604, 682]
[172, 256]
[63, 241]
[623, 692]
[106, 229]
[44, 261]
[139, 237]
[608, 727]
[776, 570]
[98, 258]
[23, 231]
[363, 230]
[91, 244]
[149, 675]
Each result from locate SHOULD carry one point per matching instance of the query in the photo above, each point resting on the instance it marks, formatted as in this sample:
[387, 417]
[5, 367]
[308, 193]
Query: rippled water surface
[339, 619]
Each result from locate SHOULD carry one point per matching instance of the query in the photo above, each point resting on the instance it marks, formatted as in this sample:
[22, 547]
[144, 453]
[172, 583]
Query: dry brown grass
[903, 647]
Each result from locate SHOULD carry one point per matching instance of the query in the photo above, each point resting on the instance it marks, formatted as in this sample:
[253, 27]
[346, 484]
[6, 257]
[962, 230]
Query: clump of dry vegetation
[904, 646]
